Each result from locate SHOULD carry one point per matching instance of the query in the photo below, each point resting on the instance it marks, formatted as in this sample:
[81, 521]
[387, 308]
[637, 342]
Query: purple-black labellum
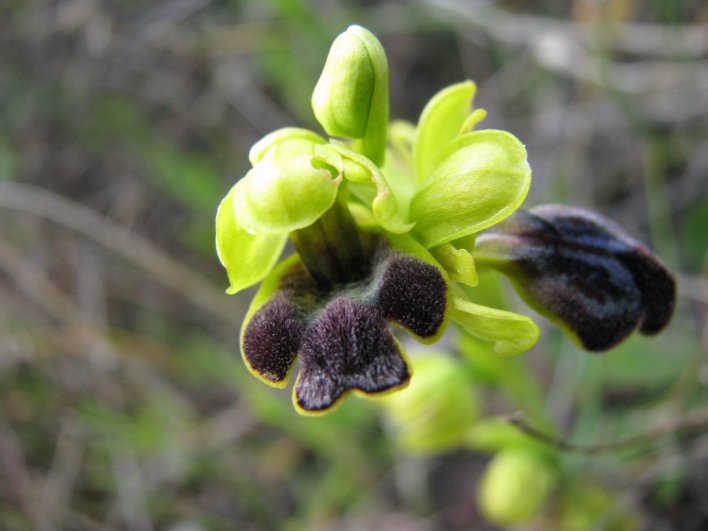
[342, 334]
[582, 271]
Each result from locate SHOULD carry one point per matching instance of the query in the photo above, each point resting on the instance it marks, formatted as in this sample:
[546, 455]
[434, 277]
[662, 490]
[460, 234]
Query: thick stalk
[331, 248]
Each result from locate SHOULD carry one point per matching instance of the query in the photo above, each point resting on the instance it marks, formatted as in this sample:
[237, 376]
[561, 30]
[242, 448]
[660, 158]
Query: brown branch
[659, 40]
[693, 421]
[201, 292]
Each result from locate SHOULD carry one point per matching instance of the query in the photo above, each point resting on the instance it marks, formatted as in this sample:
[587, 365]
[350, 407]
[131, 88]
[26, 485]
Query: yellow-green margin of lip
[409, 246]
[356, 392]
[265, 291]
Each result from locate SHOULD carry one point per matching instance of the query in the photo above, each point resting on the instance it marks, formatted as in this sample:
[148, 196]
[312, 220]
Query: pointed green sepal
[511, 333]
[247, 257]
[483, 178]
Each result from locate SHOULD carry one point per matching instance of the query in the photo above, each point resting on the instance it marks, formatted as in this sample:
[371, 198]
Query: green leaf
[484, 177]
[510, 332]
[440, 122]
[247, 257]
[294, 183]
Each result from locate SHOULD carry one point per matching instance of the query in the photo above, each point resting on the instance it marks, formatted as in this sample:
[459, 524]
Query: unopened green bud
[585, 502]
[515, 487]
[350, 99]
[437, 408]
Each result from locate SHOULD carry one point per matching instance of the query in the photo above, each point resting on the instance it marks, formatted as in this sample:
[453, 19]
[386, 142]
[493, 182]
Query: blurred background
[124, 403]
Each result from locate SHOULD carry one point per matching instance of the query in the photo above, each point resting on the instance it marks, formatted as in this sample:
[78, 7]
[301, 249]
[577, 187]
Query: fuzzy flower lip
[582, 271]
[342, 336]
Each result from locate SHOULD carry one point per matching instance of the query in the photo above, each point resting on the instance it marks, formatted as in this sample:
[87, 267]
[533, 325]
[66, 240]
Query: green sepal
[293, 184]
[265, 292]
[483, 178]
[458, 263]
[511, 333]
[247, 257]
[398, 168]
[362, 174]
[440, 122]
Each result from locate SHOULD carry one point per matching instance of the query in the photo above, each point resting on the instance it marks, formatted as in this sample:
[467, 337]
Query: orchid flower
[384, 220]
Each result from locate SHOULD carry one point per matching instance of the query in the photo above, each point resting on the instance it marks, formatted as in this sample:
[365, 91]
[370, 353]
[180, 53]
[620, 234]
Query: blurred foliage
[124, 403]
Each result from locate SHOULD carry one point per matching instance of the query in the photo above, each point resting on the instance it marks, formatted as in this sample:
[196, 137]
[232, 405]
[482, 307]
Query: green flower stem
[331, 248]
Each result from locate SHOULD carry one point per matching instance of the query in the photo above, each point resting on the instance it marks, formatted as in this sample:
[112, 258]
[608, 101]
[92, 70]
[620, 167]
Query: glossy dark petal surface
[583, 270]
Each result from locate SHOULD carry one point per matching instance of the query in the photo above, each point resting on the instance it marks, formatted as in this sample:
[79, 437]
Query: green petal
[294, 183]
[440, 122]
[247, 257]
[458, 263]
[482, 179]
[511, 333]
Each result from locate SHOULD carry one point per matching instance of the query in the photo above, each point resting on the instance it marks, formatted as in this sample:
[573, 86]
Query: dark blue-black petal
[413, 294]
[584, 271]
[271, 340]
[349, 346]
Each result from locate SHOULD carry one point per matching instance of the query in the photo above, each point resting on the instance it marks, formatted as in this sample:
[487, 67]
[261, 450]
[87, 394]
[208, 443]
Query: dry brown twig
[695, 421]
[202, 293]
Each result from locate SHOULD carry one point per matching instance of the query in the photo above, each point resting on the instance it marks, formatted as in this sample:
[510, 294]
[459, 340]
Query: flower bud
[437, 408]
[351, 97]
[515, 487]
[583, 272]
